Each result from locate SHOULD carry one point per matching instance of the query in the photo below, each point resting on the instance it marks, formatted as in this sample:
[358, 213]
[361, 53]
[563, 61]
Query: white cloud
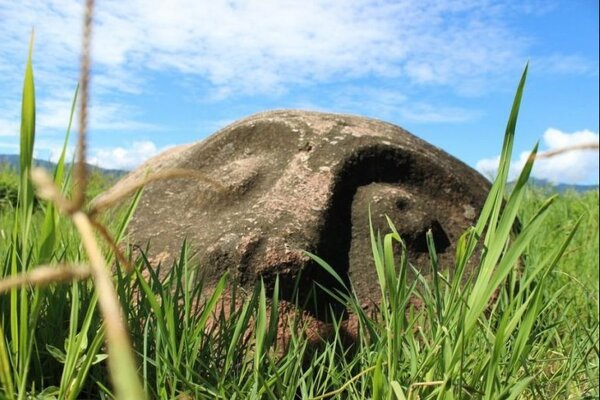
[563, 64]
[426, 113]
[576, 166]
[489, 167]
[241, 47]
[124, 157]
[117, 117]
[261, 46]
[390, 104]
[53, 115]
[50, 150]
[10, 118]
[57, 44]
[556, 139]
[120, 157]
[9, 127]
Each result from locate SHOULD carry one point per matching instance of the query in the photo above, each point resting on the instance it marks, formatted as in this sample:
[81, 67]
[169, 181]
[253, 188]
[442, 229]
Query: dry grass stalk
[414, 387]
[80, 171]
[114, 197]
[44, 275]
[568, 149]
[46, 190]
[117, 337]
[112, 243]
[121, 361]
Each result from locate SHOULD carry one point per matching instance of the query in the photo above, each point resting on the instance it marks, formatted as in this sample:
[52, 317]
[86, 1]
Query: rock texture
[294, 181]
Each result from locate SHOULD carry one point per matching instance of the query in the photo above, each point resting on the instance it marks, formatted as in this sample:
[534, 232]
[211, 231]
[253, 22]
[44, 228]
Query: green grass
[525, 326]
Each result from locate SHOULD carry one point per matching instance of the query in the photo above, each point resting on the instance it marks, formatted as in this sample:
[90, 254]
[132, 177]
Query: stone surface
[296, 181]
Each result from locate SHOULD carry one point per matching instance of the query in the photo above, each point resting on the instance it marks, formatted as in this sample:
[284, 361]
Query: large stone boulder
[296, 181]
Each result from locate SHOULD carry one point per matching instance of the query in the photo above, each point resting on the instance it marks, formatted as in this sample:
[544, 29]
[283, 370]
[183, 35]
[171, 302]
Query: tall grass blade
[24, 305]
[491, 209]
[27, 121]
[48, 235]
[5, 368]
[209, 306]
[484, 290]
[260, 329]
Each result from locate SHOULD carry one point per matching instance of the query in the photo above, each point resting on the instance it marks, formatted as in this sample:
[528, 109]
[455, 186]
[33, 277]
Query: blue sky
[172, 72]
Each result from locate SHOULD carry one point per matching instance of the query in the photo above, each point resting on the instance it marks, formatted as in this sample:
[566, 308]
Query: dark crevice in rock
[418, 241]
[401, 204]
[373, 164]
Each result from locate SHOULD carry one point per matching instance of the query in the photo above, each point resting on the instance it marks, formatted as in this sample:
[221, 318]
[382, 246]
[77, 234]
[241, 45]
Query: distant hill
[561, 187]
[13, 161]
[557, 187]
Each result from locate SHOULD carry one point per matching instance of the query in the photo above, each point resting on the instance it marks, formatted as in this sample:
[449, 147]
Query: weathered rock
[298, 181]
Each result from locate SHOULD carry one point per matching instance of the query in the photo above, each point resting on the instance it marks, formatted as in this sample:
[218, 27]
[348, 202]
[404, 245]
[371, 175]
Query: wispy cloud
[57, 26]
[53, 112]
[9, 119]
[261, 46]
[578, 166]
[236, 48]
[390, 104]
[118, 157]
[427, 113]
[563, 64]
[125, 157]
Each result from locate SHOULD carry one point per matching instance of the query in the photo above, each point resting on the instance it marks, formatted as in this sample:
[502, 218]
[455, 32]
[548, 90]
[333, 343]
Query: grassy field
[178, 359]
[525, 326]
